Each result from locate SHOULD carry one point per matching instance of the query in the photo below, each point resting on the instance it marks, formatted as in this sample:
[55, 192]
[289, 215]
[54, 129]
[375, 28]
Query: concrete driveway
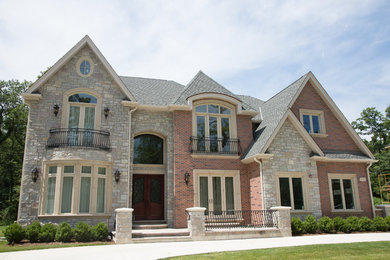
[161, 250]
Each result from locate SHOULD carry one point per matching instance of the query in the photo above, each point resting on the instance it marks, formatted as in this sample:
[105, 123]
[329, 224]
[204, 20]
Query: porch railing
[241, 219]
[215, 145]
[81, 137]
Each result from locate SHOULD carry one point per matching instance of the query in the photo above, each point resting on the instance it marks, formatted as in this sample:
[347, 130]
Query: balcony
[215, 146]
[79, 137]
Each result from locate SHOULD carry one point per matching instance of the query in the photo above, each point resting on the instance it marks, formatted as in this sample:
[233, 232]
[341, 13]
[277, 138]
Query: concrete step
[143, 222]
[165, 232]
[161, 239]
[150, 226]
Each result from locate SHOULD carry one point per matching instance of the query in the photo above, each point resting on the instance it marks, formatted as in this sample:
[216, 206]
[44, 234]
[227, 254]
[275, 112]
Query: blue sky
[251, 47]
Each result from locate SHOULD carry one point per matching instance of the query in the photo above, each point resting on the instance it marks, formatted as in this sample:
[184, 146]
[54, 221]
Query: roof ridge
[170, 80]
[304, 75]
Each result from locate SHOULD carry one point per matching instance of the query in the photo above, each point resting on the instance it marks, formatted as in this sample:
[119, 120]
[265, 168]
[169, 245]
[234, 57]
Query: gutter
[130, 161]
[370, 188]
[261, 179]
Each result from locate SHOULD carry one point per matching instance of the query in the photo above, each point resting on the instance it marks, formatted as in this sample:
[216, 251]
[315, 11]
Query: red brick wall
[364, 193]
[255, 188]
[338, 138]
[184, 195]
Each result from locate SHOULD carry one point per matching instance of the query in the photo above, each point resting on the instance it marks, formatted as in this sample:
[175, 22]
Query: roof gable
[86, 41]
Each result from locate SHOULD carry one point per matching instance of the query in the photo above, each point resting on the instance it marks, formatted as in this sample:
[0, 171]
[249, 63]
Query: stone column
[284, 220]
[385, 208]
[124, 224]
[196, 223]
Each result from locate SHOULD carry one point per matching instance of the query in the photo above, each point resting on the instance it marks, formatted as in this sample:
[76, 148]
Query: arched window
[148, 149]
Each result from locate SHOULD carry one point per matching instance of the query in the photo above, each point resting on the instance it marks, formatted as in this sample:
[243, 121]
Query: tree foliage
[375, 126]
[13, 120]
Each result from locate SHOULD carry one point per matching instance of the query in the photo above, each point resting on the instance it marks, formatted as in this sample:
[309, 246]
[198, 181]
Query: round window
[85, 67]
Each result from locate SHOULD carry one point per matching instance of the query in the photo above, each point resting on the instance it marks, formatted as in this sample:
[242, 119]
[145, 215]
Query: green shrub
[297, 226]
[365, 224]
[64, 232]
[310, 225]
[14, 233]
[82, 232]
[387, 220]
[48, 233]
[32, 231]
[339, 224]
[379, 224]
[100, 232]
[325, 224]
[353, 223]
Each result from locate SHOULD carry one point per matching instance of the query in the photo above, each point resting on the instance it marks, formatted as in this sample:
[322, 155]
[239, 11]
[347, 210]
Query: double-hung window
[343, 190]
[291, 191]
[313, 121]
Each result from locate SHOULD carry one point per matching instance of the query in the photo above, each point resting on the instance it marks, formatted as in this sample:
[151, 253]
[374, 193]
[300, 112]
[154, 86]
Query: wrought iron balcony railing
[81, 137]
[215, 145]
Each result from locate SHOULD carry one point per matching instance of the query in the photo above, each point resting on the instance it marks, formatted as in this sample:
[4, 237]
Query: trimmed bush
[310, 225]
[365, 224]
[387, 220]
[48, 233]
[14, 233]
[325, 224]
[82, 232]
[100, 232]
[32, 231]
[353, 223]
[339, 224]
[64, 232]
[379, 224]
[297, 226]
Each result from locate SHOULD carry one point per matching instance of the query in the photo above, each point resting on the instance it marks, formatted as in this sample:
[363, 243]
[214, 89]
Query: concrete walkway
[161, 250]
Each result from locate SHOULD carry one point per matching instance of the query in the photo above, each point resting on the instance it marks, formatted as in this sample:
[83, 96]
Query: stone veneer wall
[42, 119]
[161, 123]
[183, 162]
[291, 154]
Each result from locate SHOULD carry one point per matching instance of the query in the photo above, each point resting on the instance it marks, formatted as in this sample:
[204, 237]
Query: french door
[81, 117]
[217, 193]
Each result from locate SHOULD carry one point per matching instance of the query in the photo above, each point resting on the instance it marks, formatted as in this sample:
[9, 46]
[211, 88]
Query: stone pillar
[284, 220]
[124, 224]
[196, 223]
[385, 208]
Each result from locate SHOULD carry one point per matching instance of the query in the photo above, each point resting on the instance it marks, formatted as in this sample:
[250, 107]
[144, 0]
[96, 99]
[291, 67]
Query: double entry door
[148, 197]
[216, 193]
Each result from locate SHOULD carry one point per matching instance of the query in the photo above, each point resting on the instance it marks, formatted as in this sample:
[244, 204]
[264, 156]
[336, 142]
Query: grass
[4, 247]
[364, 250]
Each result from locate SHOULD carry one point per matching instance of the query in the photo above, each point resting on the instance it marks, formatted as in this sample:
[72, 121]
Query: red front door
[148, 197]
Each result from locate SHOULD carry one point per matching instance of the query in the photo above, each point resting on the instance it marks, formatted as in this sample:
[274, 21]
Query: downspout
[130, 159]
[370, 188]
[261, 181]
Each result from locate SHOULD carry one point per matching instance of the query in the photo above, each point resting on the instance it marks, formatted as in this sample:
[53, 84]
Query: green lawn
[366, 250]
[20, 247]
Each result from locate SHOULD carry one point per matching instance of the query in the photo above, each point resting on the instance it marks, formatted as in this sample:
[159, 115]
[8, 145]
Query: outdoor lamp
[117, 175]
[106, 111]
[34, 174]
[186, 177]
[56, 108]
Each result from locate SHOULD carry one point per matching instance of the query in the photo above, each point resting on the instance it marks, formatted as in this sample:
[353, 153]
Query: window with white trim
[75, 188]
[313, 121]
[343, 191]
[291, 191]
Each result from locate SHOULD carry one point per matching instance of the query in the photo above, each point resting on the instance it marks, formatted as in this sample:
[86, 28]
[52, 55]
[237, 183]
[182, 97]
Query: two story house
[97, 141]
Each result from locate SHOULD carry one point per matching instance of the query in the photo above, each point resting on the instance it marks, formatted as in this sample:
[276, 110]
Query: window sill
[76, 215]
[319, 135]
[346, 211]
[215, 156]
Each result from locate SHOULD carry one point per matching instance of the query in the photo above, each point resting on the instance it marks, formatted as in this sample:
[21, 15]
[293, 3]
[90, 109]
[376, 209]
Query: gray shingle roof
[154, 92]
[255, 103]
[345, 155]
[273, 111]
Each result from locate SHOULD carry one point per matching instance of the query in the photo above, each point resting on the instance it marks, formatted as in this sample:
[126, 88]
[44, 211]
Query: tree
[376, 126]
[13, 120]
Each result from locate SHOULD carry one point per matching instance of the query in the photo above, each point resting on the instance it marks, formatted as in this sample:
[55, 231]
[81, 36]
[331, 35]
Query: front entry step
[150, 224]
[160, 233]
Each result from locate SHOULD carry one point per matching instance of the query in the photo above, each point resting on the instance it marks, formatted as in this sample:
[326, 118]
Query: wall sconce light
[35, 174]
[106, 111]
[186, 178]
[56, 108]
[117, 175]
